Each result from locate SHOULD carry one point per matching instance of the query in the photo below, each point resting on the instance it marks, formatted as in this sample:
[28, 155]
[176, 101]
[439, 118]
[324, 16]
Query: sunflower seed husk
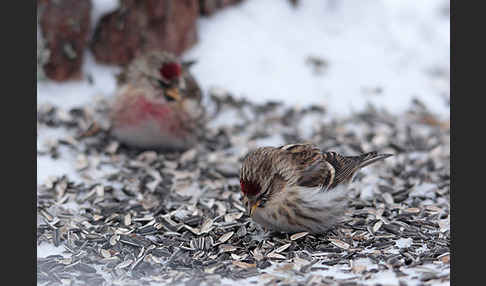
[225, 236]
[298, 235]
[339, 243]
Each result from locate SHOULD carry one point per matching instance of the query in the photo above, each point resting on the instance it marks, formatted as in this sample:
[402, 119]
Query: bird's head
[255, 174]
[251, 195]
[168, 81]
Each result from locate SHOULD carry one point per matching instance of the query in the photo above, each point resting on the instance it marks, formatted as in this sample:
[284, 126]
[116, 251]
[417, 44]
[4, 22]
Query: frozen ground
[383, 52]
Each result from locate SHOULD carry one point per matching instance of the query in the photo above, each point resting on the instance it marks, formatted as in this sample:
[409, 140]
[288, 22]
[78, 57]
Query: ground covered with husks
[121, 216]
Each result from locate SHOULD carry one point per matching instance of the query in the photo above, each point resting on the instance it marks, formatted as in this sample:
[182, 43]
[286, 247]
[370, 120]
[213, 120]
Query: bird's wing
[312, 169]
[326, 169]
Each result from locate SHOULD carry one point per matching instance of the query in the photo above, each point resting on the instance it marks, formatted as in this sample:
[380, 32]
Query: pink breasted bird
[157, 104]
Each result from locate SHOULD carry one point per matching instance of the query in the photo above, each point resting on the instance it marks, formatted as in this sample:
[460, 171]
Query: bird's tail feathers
[370, 158]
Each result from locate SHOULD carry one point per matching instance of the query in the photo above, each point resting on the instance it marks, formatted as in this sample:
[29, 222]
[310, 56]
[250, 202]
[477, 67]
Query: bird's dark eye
[262, 202]
[162, 84]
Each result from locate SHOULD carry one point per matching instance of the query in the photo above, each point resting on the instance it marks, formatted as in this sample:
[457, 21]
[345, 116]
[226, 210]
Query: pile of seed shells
[140, 217]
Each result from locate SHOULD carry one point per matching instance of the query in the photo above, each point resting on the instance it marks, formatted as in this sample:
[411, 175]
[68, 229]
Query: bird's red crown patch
[171, 70]
[249, 188]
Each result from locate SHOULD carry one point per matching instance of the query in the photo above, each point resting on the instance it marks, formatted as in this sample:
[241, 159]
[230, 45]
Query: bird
[298, 187]
[157, 104]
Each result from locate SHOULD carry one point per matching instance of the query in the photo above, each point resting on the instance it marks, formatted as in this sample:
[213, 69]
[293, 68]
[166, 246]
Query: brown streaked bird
[298, 187]
[157, 104]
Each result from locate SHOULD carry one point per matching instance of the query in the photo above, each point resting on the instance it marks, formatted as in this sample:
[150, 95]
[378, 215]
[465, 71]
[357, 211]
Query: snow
[404, 242]
[48, 167]
[46, 249]
[259, 50]
[76, 93]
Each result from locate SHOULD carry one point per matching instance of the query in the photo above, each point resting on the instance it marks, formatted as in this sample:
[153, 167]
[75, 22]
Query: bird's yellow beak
[173, 93]
[253, 207]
